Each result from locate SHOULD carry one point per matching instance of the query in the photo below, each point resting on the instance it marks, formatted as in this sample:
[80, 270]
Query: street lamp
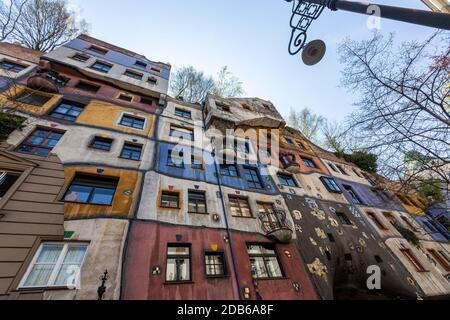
[304, 12]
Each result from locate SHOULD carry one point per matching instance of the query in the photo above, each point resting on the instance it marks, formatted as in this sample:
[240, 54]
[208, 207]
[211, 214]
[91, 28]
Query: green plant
[408, 235]
[431, 190]
[8, 123]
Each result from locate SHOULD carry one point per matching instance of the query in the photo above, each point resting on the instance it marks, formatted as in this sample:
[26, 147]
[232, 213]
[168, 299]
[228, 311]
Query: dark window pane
[94, 190]
[7, 180]
[102, 67]
[32, 98]
[87, 87]
[102, 143]
[12, 66]
[67, 110]
[40, 142]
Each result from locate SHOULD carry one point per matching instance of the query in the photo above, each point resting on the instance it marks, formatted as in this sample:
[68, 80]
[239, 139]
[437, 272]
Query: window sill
[169, 208]
[271, 279]
[90, 204]
[226, 276]
[242, 217]
[177, 283]
[28, 289]
[130, 159]
[199, 213]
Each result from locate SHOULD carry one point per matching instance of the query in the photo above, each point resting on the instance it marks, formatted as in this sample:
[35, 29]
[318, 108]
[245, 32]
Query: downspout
[225, 214]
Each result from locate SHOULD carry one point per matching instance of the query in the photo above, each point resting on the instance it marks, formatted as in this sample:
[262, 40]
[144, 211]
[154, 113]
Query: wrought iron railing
[275, 220]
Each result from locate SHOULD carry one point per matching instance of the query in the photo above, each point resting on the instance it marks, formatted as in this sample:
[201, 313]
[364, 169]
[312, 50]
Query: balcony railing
[275, 224]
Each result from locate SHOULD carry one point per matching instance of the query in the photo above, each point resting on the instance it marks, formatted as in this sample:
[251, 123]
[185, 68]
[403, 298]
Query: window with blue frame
[101, 143]
[229, 170]
[175, 159]
[184, 133]
[331, 185]
[353, 195]
[196, 162]
[101, 66]
[12, 66]
[131, 151]
[309, 163]
[67, 110]
[41, 142]
[91, 190]
[183, 113]
[252, 178]
[287, 180]
[132, 122]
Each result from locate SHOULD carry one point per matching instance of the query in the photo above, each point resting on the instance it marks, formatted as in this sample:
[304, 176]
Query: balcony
[276, 225]
[47, 81]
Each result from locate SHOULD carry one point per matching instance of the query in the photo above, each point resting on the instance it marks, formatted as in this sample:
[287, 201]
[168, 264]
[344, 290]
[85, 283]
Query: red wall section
[147, 248]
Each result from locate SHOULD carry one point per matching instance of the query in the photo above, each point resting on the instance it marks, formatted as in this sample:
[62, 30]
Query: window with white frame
[55, 265]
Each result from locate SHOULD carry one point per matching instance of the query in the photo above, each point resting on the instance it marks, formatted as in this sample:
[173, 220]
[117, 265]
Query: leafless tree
[193, 85]
[46, 24]
[403, 104]
[307, 122]
[10, 12]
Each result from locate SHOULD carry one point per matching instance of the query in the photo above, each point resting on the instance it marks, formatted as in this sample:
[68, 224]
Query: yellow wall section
[6, 100]
[123, 204]
[102, 114]
[412, 209]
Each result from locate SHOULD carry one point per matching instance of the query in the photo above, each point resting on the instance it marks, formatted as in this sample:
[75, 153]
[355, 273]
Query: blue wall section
[209, 173]
[119, 58]
[368, 197]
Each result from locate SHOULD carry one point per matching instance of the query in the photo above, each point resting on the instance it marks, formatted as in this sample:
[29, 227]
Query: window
[333, 167]
[183, 113]
[413, 260]
[353, 195]
[41, 142]
[101, 143]
[178, 132]
[91, 189]
[132, 122]
[331, 237]
[178, 264]
[287, 160]
[12, 66]
[444, 221]
[286, 180]
[378, 259]
[101, 66]
[197, 202]
[288, 140]
[131, 151]
[148, 100]
[67, 110]
[267, 211]
[175, 159]
[155, 70]
[152, 81]
[264, 262]
[223, 107]
[240, 207]
[98, 50]
[252, 178]
[7, 180]
[390, 218]
[32, 98]
[309, 163]
[377, 221]
[228, 170]
[196, 162]
[242, 146]
[344, 219]
[133, 74]
[215, 264]
[140, 64]
[408, 223]
[87, 87]
[300, 145]
[55, 265]
[441, 260]
[245, 106]
[342, 170]
[369, 179]
[80, 57]
[357, 173]
[125, 97]
[170, 200]
[331, 185]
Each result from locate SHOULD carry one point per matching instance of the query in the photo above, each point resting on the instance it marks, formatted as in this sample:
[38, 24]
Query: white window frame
[126, 113]
[57, 268]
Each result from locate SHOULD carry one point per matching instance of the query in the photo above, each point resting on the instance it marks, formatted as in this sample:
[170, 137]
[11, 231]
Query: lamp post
[304, 12]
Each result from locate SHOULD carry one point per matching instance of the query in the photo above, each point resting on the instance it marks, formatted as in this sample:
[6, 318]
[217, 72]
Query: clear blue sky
[250, 36]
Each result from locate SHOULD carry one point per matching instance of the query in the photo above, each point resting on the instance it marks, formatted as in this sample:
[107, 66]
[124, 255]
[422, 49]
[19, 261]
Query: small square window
[170, 200]
[344, 219]
[229, 170]
[7, 180]
[87, 87]
[253, 179]
[223, 107]
[240, 207]
[287, 180]
[131, 151]
[67, 110]
[101, 66]
[183, 113]
[98, 50]
[12, 66]
[152, 81]
[125, 97]
[32, 98]
[197, 202]
[196, 162]
[184, 133]
[132, 122]
[101, 143]
[133, 74]
[80, 57]
[140, 64]
[155, 70]
[148, 100]
[215, 264]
